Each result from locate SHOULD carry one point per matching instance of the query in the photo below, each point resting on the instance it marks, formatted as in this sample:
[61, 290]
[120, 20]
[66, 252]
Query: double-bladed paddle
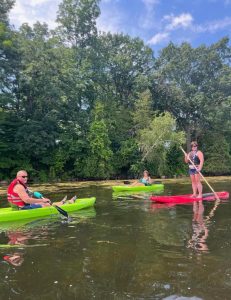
[59, 209]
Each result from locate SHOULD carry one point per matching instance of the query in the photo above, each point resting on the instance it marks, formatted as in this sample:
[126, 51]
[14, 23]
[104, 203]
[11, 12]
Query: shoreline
[65, 186]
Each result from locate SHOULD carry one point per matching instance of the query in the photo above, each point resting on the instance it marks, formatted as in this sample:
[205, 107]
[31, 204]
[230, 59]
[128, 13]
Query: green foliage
[155, 140]
[190, 83]
[5, 7]
[9, 160]
[127, 158]
[9, 64]
[78, 21]
[124, 60]
[175, 162]
[160, 133]
[217, 155]
[98, 160]
[36, 138]
[143, 113]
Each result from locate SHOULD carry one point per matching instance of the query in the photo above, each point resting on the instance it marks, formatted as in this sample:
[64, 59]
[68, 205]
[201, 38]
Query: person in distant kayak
[145, 180]
[196, 157]
[20, 197]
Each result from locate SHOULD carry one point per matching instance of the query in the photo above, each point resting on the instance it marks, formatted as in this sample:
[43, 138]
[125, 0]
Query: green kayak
[8, 214]
[137, 188]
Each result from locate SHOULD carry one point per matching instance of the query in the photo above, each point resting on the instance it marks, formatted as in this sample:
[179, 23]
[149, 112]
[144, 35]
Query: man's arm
[19, 189]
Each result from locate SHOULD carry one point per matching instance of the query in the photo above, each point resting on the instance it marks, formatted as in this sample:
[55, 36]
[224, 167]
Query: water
[124, 248]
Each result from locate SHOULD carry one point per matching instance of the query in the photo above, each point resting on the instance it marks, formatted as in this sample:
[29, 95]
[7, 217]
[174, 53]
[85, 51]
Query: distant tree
[187, 83]
[123, 61]
[217, 155]
[9, 57]
[5, 7]
[78, 21]
[155, 140]
[98, 158]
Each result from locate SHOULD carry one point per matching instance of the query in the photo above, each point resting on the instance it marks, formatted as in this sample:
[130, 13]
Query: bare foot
[72, 200]
[199, 197]
[193, 196]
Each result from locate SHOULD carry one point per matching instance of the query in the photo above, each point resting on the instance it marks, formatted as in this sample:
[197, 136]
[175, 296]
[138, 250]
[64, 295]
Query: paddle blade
[61, 211]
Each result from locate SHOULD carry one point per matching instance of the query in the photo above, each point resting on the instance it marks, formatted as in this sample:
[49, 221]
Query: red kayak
[188, 198]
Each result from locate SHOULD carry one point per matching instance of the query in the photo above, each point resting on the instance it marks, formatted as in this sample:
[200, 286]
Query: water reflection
[18, 238]
[29, 234]
[199, 227]
[125, 252]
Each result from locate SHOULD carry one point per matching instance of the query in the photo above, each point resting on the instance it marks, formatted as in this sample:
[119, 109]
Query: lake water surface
[124, 248]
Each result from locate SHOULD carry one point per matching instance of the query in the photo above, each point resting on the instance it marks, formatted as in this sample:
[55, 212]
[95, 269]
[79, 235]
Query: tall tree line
[78, 103]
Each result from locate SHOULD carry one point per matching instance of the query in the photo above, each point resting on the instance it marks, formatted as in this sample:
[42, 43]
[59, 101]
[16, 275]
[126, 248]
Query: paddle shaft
[59, 209]
[201, 174]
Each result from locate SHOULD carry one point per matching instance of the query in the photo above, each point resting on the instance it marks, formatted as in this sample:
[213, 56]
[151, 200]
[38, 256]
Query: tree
[9, 57]
[155, 140]
[189, 84]
[143, 112]
[78, 21]
[5, 7]
[123, 61]
[98, 159]
[10, 160]
[217, 155]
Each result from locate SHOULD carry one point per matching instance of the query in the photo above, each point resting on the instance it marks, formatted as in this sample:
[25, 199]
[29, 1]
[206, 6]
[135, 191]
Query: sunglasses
[24, 176]
[194, 146]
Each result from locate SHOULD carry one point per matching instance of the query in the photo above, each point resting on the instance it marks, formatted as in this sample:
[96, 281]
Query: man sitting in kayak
[145, 180]
[20, 197]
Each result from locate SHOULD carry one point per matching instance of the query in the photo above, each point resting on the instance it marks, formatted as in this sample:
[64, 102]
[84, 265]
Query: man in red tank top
[19, 195]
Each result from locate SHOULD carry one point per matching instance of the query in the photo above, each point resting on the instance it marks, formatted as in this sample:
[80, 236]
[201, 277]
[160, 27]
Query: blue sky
[156, 22]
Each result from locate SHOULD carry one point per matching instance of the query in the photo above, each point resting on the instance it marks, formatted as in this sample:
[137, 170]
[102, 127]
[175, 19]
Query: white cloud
[38, 2]
[108, 1]
[226, 2]
[183, 20]
[110, 20]
[150, 2]
[158, 38]
[34, 10]
[147, 20]
[213, 26]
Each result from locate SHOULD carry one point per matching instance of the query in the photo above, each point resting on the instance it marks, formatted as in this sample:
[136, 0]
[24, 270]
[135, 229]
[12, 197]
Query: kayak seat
[13, 206]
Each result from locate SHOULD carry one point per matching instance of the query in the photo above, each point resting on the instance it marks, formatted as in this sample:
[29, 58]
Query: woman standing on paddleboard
[196, 157]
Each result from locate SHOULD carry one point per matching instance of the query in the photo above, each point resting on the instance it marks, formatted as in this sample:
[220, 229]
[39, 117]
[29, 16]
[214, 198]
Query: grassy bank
[48, 188]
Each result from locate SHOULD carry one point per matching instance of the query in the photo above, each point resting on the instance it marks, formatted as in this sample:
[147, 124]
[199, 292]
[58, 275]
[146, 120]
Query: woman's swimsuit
[145, 181]
[195, 159]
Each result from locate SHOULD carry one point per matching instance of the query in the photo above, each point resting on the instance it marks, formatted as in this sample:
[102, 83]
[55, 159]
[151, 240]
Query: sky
[156, 22]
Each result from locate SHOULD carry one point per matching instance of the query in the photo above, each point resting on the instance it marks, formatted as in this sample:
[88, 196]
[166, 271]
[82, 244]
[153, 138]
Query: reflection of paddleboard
[177, 199]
